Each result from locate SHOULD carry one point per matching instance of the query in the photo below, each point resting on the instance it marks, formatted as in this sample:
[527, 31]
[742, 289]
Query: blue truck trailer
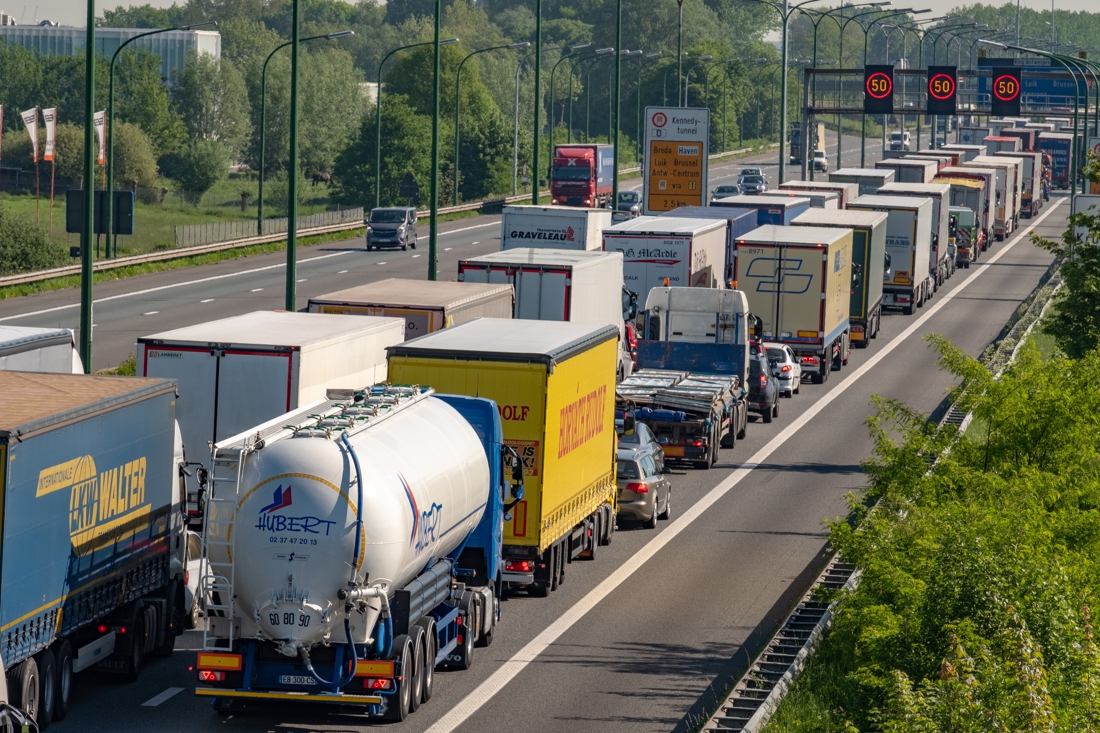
[92, 534]
[352, 548]
[769, 209]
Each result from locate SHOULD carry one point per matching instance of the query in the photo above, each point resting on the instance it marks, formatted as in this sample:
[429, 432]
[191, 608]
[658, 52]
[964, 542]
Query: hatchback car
[753, 185]
[642, 440]
[821, 163]
[393, 226]
[763, 397]
[645, 493]
[785, 368]
[725, 190]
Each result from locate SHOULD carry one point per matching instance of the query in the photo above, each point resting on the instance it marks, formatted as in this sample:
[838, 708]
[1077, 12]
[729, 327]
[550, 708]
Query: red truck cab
[581, 175]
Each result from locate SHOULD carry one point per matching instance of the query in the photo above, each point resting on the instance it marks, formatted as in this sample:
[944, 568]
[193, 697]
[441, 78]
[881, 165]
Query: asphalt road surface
[644, 637]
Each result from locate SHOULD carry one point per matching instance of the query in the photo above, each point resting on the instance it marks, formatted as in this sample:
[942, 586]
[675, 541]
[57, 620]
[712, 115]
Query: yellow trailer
[554, 384]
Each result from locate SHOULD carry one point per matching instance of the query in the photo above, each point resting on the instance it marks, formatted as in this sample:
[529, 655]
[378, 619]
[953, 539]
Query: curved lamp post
[840, 65]
[111, 246]
[653, 56]
[458, 98]
[572, 73]
[553, 71]
[611, 88]
[687, 76]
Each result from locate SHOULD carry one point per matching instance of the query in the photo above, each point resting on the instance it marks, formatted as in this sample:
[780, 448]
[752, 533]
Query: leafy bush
[24, 247]
[197, 167]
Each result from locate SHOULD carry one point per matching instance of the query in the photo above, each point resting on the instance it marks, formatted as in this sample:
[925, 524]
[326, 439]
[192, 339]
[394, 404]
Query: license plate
[673, 450]
[293, 679]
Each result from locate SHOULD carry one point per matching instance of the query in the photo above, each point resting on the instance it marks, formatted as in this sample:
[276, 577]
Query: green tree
[142, 98]
[211, 97]
[135, 158]
[142, 16]
[25, 247]
[197, 167]
[68, 150]
[246, 41]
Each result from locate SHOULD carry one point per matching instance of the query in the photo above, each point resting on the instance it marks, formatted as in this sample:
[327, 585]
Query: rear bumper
[521, 578]
[642, 508]
[330, 698]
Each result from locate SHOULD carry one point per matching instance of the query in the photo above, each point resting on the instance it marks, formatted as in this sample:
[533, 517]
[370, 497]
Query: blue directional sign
[1055, 91]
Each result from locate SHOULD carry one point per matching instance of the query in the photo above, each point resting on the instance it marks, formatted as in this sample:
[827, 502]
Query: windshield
[752, 179]
[895, 136]
[966, 218]
[777, 355]
[571, 172]
[726, 189]
[628, 469]
[387, 216]
[629, 197]
[819, 154]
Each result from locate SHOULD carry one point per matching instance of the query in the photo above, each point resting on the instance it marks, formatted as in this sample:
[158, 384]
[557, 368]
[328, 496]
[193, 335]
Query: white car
[786, 368]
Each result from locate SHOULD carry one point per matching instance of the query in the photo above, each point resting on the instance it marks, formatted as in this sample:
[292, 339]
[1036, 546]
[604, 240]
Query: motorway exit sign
[674, 173]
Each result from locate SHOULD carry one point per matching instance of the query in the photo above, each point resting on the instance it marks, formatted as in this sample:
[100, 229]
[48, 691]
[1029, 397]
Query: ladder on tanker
[216, 586]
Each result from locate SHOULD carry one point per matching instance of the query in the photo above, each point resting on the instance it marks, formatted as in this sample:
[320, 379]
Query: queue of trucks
[341, 565]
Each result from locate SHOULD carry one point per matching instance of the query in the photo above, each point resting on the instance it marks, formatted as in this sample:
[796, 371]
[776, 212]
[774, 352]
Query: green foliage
[23, 246]
[197, 167]
[33, 80]
[1075, 321]
[979, 568]
[135, 159]
[277, 190]
[142, 99]
[68, 150]
[211, 96]
[142, 16]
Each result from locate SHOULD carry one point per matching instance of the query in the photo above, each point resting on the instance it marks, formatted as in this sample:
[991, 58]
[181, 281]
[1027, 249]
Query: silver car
[785, 367]
[645, 493]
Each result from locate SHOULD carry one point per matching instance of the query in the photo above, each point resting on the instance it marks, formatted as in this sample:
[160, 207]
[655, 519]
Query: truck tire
[47, 688]
[398, 708]
[462, 656]
[907, 310]
[63, 658]
[431, 647]
[595, 539]
[416, 686]
[136, 658]
[23, 687]
[611, 521]
[173, 623]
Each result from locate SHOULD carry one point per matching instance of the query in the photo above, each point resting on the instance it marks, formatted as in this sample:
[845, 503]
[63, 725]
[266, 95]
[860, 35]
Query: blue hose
[358, 504]
[340, 681]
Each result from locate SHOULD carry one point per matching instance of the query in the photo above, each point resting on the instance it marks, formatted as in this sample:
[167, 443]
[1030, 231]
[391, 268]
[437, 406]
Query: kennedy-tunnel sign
[674, 172]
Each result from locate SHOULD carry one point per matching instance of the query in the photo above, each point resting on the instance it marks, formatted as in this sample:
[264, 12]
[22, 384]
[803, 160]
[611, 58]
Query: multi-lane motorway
[643, 638]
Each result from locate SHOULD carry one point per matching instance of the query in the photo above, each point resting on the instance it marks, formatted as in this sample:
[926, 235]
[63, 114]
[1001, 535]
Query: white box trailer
[999, 204]
[1031, 187]
[555, 227]
[973, 135]
[818, 199]
[686, 252]
[942, 261]
[238, 372]
[908, 243]
[968, 152]
[31, 349]
[909, 170]
[869, 180]
[941, 161]
[426, 305]
[1014, 169]
[845, 192]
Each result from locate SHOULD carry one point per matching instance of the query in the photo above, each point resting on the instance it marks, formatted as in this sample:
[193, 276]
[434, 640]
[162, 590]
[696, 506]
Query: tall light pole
[433, 210]
[458, 98]
[936, 34]
[653, 56]
[378, 117]
[840, 65]
[263, 121]
[553, 71]
[680, 42]
[535, 172]
[611, 87]
[111, 247]
[86, 233]
[618, 104]
[515, 127]
[866, 36]
[687, 77]
[572, 72]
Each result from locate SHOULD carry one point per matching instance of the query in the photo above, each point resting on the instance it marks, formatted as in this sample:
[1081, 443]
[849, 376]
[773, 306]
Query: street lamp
[588, 99]
[515, 128]
[687, 77]
[378, 117]
[553, 71]
[263, 121]
[611, 89]
[111, 248]
[664, 82]
[572, 73]
[458, 98]
[652, 56]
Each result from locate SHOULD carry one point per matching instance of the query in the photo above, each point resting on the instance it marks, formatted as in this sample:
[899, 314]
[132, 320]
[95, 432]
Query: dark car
[628, 206]
[753, 185]
[763, 388]
[724, 191]
[393, 226]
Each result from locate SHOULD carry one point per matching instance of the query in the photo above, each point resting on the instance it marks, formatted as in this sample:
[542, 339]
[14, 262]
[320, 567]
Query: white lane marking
[381, 263]
[303, 279]
[341, 272]
[464, 229]
[212, 278]
[208, 300]
[415, 256]
[255, 290]
[475, 242]
[502, 676]
[169, 693]
[150, 313]
[447, 249]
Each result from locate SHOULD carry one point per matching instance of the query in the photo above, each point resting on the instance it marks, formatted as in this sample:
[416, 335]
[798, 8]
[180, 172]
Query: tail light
[376, 683]
[187, 577]
[519, 566]
[763, 382]
[638, 488]
[209, 675]
[103, 628]
[809, 360]
[785, 368]
[697, 443]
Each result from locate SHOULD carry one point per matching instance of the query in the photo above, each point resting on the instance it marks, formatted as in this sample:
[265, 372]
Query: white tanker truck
[353, 546]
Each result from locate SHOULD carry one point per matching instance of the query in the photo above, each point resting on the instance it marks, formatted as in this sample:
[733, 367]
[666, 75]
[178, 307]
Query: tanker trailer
[344, 560]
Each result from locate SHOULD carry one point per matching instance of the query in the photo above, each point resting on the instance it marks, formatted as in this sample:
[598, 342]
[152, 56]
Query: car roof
[631, 454]
[772, 345]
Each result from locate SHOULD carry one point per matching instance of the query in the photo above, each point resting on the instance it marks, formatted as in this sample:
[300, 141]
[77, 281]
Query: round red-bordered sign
[1006, 88]
[660, 119]
[879, 85]
[941, 86]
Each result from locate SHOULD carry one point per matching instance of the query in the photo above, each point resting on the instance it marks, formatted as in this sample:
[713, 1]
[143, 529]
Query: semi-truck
[554, 384]
[1002, 196]
[869, 180]
[769, 209]
[909, 170]
[845, 192]
[1013, 173]
[798, 281]
[343, 568]
[690, 389]
[738, 222]
[32, 349]
[817, 199]
[941, 161]
[969, 194]
[868, 262]
[972, 135]
[1028, 137]
[908, 244]
[669, 250]
[965, 231]
[1059, 145]
[997, 143]
[582, 175]
[1031, 187]
[938, 153]
[425, 305]
[92, 558]
[555, 227]
[993, 205]
[816, 143]
[941, 264]
[966, 152]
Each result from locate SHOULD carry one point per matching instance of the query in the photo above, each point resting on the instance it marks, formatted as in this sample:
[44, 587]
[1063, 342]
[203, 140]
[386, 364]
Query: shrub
[24, 247]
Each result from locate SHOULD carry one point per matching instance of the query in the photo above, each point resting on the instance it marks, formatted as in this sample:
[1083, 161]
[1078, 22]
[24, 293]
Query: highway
[645, 637]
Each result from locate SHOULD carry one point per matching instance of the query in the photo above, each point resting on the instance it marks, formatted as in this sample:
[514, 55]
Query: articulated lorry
[991, 202]
[554, 384]
[1029, 138]
[554, 227]
[1031, 184]
[909, 169]
[798, 281]
[868, 261]
[92, 555]
[973, 135]
[869, 180]
[966, 152]
[815, 143]
[1013, 172]
[846, 192]
[426, 305]
[908, 245]
[693, 370]
[31, 349]
[769, 209]
[669, 250]
[998, 143]
[1059, 145]
[582, 175]
[941, 263]
[1000, 207]
[968, 194]
[738, 222]
[817, 199]
[340, 566]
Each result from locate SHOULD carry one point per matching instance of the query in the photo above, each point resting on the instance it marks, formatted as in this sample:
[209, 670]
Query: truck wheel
[431, 648]
[744, 428]
[611, 519]
[136, 658]
[728, 440]
[416, 685]
[23, 687]
[172, 624]
[224, 705]
[462, 657]
[398, 708]
[596, 527]
[63, 657]
[47, 688]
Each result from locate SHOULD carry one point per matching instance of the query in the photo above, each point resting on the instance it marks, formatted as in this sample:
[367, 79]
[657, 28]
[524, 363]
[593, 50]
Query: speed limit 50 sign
[1006, 92]
[878, 89]
[943, 87]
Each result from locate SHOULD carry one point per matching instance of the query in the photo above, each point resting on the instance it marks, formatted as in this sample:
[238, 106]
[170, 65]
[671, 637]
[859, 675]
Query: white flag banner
[49, 116]
[30, 119]
[100, 122]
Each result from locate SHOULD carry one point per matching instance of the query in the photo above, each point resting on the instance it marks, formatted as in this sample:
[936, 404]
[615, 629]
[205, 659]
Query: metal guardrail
[190, 235]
